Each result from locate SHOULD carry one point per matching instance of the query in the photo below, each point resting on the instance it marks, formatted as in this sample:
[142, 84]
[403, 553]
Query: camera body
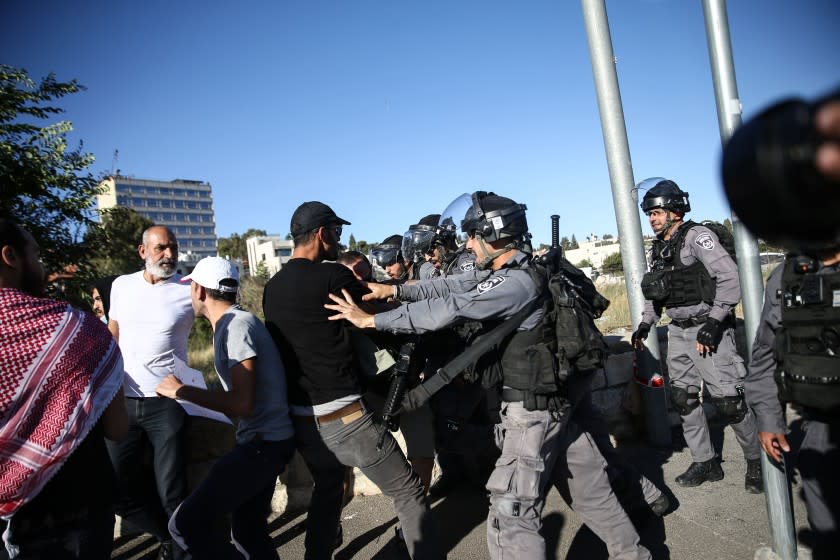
[771, 180]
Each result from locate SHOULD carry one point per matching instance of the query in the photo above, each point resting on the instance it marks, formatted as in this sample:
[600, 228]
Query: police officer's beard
[666, 227]
[157, 270]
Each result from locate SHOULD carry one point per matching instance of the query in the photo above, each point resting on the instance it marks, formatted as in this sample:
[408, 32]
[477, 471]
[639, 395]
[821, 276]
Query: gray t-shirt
[239, 336]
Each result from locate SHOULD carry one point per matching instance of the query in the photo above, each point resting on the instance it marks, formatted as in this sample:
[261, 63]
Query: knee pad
[685, 400]
[733, 409]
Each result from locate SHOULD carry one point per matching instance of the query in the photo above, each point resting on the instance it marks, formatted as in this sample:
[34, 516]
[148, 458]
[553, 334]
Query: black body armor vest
[808, 347]
[670, 283]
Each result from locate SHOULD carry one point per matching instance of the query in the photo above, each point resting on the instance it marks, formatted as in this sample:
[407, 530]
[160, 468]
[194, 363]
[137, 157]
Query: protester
[242, 482]
[61, 396]
[333, 426]
[151, 316]
[101, 297]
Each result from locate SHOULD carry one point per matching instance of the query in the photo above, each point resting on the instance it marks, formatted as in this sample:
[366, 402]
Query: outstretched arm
[347, 309]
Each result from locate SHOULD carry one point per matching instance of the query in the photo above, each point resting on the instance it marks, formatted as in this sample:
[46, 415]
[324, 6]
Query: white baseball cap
[210, 271]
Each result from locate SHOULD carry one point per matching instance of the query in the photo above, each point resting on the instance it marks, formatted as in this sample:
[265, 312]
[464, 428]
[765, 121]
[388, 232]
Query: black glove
[641, 333]
[710, 333]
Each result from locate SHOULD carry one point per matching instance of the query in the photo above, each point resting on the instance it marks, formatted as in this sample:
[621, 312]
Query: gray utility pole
[626, 211]
[777, 488]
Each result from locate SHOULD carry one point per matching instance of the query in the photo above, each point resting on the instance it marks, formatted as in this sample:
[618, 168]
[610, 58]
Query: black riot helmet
[495, 217]
[420, 239]
[665, 194]
[388, 252]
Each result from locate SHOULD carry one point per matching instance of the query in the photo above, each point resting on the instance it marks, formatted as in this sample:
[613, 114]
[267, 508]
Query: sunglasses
[336, 229]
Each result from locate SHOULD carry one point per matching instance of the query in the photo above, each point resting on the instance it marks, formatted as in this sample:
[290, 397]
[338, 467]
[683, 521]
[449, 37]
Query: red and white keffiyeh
[59, 370]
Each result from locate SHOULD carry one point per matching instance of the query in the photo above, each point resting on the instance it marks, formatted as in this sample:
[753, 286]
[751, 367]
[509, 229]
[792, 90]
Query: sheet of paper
[190, 376]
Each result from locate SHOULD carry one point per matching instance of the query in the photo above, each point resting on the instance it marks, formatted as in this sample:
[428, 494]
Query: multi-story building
[184, 206]
[268, 251]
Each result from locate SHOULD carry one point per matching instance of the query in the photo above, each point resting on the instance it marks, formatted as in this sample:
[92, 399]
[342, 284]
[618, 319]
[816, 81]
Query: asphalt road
[717, 521]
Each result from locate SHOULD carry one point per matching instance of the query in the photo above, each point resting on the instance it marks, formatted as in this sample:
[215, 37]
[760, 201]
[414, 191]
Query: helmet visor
[384, 255]
[451, 219]
[418, 241]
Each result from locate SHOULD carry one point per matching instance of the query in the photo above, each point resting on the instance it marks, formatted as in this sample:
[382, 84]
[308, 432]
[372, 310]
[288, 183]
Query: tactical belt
[691, 322]
[346, 414]
[516, 395]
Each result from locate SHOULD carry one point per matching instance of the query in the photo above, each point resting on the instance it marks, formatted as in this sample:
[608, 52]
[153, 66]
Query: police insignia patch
[488, 285]
[705, 241]
[467, 266]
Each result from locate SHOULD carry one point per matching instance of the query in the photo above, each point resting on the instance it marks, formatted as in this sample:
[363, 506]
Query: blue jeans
[161, 421]
[327, 449]
[240, 483]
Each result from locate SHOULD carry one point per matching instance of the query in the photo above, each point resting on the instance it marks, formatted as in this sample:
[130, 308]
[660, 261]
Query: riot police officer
[418, 244]
[535, 431]
[798, 341]
[696, 280]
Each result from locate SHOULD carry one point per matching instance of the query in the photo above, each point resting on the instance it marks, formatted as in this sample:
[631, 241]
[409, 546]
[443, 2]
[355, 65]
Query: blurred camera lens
[771, 180]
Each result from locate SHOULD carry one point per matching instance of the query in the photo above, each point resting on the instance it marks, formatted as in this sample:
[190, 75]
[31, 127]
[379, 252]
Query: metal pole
[626, 211]
[777, 488]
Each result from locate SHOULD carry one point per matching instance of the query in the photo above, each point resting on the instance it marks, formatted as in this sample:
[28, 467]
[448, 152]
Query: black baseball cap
[312, 215]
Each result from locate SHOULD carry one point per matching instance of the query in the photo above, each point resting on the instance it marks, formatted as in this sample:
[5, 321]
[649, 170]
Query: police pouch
[656, 286]
[816, 383]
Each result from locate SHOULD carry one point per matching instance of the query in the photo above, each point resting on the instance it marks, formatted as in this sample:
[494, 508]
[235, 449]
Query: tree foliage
[113, 245]
[574, 243]
[565, 243]
[613, 264]
[235, 246]
[44, 185]
[261, 271]
[584, 263]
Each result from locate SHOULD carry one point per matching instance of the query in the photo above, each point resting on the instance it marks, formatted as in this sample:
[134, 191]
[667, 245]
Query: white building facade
[268, 251]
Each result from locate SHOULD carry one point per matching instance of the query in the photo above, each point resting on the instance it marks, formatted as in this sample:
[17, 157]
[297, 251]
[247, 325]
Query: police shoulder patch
[490, 283]
[467, 266]
[705, 241]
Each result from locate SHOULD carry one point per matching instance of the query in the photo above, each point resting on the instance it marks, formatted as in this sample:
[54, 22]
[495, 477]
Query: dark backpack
[574, 306]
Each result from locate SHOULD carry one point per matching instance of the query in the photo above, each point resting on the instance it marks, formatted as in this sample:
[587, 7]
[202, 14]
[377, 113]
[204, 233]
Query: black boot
[753, 482]
[698, 473]
[660, 505]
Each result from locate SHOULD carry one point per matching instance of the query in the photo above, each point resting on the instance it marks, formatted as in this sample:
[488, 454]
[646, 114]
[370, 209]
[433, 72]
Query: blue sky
[387, 110]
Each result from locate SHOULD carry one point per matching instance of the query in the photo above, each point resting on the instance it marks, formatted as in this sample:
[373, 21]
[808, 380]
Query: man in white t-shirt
[151, 316]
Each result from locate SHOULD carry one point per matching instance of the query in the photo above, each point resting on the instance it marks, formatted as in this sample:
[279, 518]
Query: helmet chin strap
[487, 259]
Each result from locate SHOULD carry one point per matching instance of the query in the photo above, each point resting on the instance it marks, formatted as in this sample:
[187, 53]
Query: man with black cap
[696, 279]
[333, 426]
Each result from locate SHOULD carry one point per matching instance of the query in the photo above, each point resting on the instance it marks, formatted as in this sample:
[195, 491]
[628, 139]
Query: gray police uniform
[723, 371]
[533, 442]
[428, 270]
[819, 456]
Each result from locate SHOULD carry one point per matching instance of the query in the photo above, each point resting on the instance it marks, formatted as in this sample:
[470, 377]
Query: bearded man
[151, 316]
